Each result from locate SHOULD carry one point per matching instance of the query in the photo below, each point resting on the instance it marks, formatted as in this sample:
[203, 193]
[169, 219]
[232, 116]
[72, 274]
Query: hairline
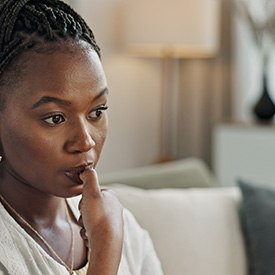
[14, 72]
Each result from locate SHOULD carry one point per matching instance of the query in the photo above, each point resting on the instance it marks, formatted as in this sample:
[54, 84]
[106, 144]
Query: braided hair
[28, 24]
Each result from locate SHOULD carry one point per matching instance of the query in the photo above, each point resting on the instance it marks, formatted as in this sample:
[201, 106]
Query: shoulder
[12, 245]
[130, 222]
[138, 247]
[133, 232]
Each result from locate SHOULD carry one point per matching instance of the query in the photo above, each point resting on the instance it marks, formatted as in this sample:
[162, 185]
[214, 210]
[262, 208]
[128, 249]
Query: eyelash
[98, 112]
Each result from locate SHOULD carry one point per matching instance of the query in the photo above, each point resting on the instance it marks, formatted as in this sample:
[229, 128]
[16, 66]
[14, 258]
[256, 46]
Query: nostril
[80, 142]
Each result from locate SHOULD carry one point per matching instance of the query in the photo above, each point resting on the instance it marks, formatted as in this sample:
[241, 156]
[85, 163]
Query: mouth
[74, 173]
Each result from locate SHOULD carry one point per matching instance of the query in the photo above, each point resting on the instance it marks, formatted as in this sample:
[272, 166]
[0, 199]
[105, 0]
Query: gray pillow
[258, 221]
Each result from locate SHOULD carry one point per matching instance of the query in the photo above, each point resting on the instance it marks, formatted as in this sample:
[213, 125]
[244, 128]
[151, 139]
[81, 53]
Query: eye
[97, 113]
[54, 119]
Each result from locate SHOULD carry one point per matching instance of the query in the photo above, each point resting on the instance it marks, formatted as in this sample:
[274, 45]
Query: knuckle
[83, 234]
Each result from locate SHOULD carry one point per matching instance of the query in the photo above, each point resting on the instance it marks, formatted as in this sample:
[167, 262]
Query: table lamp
[170, 30]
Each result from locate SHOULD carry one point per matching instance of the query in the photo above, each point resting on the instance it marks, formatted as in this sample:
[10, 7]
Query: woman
[53, 123]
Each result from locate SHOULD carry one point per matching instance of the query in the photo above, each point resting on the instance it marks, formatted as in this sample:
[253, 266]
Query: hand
[102, 224]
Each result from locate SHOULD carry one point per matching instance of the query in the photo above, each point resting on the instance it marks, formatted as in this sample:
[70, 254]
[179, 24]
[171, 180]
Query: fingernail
[82, 175]
[90, 167]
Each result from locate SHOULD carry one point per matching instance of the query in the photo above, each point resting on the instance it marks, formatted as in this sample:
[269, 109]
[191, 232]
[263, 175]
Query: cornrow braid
[26, 23]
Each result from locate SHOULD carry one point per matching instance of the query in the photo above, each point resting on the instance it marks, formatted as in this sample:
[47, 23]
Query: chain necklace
[42, 239]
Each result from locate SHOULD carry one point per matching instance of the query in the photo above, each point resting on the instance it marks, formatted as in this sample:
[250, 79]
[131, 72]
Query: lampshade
[175, 28]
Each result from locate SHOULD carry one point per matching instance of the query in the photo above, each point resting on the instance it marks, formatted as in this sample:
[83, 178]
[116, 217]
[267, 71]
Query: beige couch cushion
[195, 231]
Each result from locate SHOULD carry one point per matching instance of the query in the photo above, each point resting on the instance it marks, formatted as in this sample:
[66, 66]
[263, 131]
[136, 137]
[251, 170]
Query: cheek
[100, 137]
[21, 145]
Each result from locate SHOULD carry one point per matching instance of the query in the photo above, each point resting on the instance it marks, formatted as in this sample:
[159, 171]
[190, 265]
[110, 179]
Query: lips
[74, 173]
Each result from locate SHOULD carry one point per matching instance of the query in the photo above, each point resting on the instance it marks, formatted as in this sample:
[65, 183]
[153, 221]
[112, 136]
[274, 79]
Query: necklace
[42, 239]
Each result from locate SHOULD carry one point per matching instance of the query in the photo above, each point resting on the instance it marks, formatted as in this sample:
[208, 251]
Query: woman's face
[55, 122]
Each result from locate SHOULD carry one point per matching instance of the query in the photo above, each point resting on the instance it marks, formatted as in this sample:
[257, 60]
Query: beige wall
[207, 88]
[135, 99]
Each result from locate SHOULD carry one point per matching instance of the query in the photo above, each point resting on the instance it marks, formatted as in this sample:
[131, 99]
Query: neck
[32, 204]
[48, 215]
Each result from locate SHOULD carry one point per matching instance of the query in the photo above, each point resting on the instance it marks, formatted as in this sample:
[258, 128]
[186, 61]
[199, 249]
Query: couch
[189, 172]
[195, 230]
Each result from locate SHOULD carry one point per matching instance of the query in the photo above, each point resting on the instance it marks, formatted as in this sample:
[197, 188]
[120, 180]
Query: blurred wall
[135, 98]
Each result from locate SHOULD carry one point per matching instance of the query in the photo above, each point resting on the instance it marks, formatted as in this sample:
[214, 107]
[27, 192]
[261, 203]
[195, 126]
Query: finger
[84, 237]
[83, 234]
[80, 221]
[88, 174]
[90, 180]
[87, 244]
[79, 204]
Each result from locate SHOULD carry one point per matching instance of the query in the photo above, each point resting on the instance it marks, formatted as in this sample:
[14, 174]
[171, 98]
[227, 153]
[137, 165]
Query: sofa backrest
[195, 231]
[189, 172]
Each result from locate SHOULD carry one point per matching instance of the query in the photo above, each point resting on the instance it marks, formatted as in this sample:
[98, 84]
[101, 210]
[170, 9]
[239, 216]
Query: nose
[80, 138]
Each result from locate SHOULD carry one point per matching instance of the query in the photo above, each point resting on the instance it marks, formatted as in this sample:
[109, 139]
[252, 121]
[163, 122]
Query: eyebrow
[105, 91]
[49, 99]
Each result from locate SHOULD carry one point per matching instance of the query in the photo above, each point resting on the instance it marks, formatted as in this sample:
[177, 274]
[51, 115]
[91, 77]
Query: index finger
[90, 180]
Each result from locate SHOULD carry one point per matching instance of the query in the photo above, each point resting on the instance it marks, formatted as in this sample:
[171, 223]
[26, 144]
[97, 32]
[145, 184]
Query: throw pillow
[195, 231]
[258, 220]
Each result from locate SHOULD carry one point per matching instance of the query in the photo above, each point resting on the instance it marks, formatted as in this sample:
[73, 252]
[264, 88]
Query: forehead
[69, 69]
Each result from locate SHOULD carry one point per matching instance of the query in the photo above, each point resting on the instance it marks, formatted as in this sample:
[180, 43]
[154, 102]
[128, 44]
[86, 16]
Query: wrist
[105, 256]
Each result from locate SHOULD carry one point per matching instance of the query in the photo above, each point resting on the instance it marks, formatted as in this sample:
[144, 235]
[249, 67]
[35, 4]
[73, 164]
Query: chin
[75, 191]
[70, 192]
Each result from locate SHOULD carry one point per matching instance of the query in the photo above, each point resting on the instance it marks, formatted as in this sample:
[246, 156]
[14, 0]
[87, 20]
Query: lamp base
[264, 109]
